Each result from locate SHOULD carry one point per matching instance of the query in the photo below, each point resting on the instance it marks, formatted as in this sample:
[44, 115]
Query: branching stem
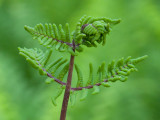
[68, 87]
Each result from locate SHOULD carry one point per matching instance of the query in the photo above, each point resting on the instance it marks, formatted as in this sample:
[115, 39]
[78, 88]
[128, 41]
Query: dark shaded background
[25, 96]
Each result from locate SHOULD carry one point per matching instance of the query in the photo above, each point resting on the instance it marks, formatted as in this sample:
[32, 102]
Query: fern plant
[89, 32]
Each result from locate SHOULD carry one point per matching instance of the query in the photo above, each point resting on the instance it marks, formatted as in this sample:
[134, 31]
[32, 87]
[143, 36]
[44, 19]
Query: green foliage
[35, 57]
[73, 96]
[96, 90]
[90, 79]
[50, 35]
[117, 71]
[138, 34]
[84, 94]
[40, 60]
[89, 31]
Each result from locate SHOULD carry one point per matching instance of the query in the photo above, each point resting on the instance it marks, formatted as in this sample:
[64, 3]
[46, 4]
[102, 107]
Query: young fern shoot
[89, 32]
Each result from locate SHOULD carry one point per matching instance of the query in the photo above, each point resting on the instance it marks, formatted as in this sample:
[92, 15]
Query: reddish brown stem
[68, 88]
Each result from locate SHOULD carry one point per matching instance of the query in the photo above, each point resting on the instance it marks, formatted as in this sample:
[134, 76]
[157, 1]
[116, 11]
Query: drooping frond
[92, 30]
[50, 35]
[41, 61]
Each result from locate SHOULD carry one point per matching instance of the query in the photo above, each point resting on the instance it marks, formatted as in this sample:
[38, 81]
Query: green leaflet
[55, 30]
[120, 62]
[90, 79]
[47, 29]
[73, 98]
[61, 33]
[114, 78]
[58, 66]
[63, 72]
[99, 75]
[127, 60]
[68, 37]
[84, 94]
[58, 46]
[85, 21]
[53, 63]
[49, 80]
[123, 79]
[29, 29]
[103, 70]
[59, 92]
[47, 57]
[105, 84]
[52, 34]
[96, 90]
[80, 76]
[36, 58]
[139, 59]
[70, 50]
[111, 66]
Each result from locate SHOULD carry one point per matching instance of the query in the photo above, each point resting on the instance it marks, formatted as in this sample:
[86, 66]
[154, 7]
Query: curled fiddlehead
[91, 31]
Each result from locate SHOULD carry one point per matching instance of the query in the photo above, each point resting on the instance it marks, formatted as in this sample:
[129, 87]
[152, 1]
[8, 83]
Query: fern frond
[119, 70]
[90, 31]
[41, 61]
[122, 69]
[49, 35]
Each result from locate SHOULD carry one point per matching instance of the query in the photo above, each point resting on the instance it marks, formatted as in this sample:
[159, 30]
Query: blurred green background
[23, 92]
